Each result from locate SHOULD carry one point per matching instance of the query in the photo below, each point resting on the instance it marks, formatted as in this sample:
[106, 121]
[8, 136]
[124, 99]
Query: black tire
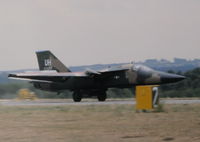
[77, 96]
[102, 96]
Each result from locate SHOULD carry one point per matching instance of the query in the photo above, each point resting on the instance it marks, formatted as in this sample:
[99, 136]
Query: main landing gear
[78, 95]
[101, 96]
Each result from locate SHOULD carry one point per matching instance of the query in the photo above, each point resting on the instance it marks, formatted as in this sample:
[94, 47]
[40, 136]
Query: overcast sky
[82, 32]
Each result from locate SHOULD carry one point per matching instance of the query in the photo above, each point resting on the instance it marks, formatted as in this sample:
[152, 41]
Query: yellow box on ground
[144, 97]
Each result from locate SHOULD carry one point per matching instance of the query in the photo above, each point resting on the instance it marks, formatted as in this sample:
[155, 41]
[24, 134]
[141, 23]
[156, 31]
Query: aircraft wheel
[102, 96]
[77, 96]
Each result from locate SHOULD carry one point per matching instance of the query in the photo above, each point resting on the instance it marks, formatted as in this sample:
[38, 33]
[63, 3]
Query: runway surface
[59, 102]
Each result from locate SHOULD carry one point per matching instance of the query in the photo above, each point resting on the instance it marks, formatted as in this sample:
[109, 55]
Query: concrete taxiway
[59, 102]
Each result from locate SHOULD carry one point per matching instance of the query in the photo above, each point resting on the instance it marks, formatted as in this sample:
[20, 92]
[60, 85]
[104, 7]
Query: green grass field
[105, 123]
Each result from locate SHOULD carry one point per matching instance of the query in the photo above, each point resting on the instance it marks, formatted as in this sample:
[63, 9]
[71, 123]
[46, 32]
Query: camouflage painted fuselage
[125, 76]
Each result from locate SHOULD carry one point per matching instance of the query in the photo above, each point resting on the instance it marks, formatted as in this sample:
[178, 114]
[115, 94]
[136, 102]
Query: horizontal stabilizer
[31, 80]
[46, 77]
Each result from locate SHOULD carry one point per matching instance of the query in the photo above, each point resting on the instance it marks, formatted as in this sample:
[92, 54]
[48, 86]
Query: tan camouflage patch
[131, 76]
[155, 78]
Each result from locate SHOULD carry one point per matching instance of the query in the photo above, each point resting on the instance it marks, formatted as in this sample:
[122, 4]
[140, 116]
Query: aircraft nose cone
[170, 78]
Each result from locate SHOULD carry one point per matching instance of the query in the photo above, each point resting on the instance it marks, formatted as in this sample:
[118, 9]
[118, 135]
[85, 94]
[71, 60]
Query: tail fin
[47, 61]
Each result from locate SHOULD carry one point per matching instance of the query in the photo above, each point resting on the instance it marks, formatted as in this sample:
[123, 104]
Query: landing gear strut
[101, 95]
[77, 96]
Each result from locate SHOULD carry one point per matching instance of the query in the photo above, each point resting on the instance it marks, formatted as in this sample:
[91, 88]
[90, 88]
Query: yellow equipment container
[26, 94]
[146, 97]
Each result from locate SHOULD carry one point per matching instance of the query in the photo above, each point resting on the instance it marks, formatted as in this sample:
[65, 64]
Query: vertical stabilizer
[47, 61]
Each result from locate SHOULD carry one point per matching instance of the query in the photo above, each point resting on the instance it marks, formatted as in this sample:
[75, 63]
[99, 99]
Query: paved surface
[59, 102]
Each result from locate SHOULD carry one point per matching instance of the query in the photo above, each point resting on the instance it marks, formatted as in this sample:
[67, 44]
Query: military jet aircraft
[55, 76]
